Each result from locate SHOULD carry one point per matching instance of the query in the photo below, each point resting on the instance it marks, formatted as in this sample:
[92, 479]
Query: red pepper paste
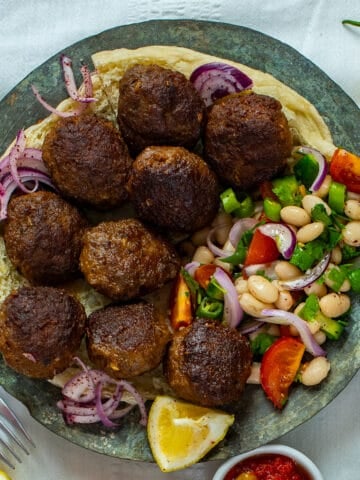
[269, 467]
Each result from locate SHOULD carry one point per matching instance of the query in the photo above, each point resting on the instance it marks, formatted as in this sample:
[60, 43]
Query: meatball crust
[40, 330]
[43, 237]
[208, 363]
[127, 340]
[247, 139]
[88, 161]
[123, 259]
[158, 106]
[173, 188]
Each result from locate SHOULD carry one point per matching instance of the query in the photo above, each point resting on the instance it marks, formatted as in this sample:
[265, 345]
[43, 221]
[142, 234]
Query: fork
[13, 436]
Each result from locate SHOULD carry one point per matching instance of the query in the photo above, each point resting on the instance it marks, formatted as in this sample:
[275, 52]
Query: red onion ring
[215, 80]
[281, 317]
[73, 113]
[219, 252]
[300, 283]
[233, 313]
[239, 228]
[191, 267]
[323, 166]
[283, 235]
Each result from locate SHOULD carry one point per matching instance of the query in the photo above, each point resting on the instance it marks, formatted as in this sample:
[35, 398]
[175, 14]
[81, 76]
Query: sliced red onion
[233, 313]
[281, 317]
[283, 235]
[250, 327]
[15, 153]
[215, 80]
[84, 401]
[73, 113]
[191, 267]
[219, 252]
[310, 276]
[323, 166]
[238, 229]
[69, 79]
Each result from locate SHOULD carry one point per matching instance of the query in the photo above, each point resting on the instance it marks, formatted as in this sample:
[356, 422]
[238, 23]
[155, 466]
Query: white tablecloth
[34, 30]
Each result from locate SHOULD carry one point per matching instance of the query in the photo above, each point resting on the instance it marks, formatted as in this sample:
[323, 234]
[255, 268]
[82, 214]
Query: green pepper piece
[272, 209]
[210, 308]
[337, 195]
[306, 170]
[354, 278]
[229, 200]
[287, 190]
[246, 208]
[214, 290]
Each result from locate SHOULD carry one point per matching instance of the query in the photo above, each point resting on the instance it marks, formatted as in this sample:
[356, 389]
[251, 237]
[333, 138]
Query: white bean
[352, 209]
[252, 306]
[318, 288]
[324, 187]
[351, 233]
[336, 255]
[334, 304]
[320, 337]
[262, 289]
[315, 371]
[294, 215]
[241, 285]
[309, 232]
[286, 271]
[352, 196]
[222, 218]
[199, 238]
[310, 201]
[203, 255]
[285, 301]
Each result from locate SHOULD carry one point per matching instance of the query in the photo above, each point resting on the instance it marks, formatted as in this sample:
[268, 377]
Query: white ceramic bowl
[296, 455]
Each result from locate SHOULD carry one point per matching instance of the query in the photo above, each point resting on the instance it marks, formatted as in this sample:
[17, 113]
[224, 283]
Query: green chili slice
[210, 308]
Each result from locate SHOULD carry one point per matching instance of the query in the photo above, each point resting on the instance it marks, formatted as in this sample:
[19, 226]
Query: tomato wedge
[279, 367]
[262, 249]
[181, 308]
[204, 273]
[345, 168]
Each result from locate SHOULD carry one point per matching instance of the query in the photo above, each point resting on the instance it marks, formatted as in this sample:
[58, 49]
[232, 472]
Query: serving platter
[256, 420]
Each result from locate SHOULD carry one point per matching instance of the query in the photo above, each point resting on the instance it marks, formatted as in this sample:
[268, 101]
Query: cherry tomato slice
[181, 308]
[204, 273]
[345, 168]
[279, 367]
[262, 249]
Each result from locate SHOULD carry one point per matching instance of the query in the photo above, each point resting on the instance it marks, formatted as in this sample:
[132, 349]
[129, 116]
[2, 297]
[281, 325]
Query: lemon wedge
[180, 434]
[4, 476]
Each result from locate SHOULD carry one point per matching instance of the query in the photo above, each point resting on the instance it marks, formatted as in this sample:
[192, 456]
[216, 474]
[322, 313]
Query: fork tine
[7, 413]
[6, 459]
[14, 437]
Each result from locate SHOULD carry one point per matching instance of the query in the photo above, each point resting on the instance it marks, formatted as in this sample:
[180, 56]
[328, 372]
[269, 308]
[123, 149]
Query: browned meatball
[247, 139]
[208, 363]
[123, 259]
[40, 330]
[173, 188]
[88, 161]
[158, 106]
[127, 340]
[43, 237]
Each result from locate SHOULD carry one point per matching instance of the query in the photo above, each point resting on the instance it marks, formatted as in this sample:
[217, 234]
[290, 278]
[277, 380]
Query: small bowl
[301, 459]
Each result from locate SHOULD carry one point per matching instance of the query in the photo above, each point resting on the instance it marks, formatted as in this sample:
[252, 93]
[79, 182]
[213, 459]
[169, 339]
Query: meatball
[43, 237]
[173, 188]
[127, 340]
[88, 161]
[158, 106]
[208, 363]
[247, 139]
[40, 330]
[123, 259]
